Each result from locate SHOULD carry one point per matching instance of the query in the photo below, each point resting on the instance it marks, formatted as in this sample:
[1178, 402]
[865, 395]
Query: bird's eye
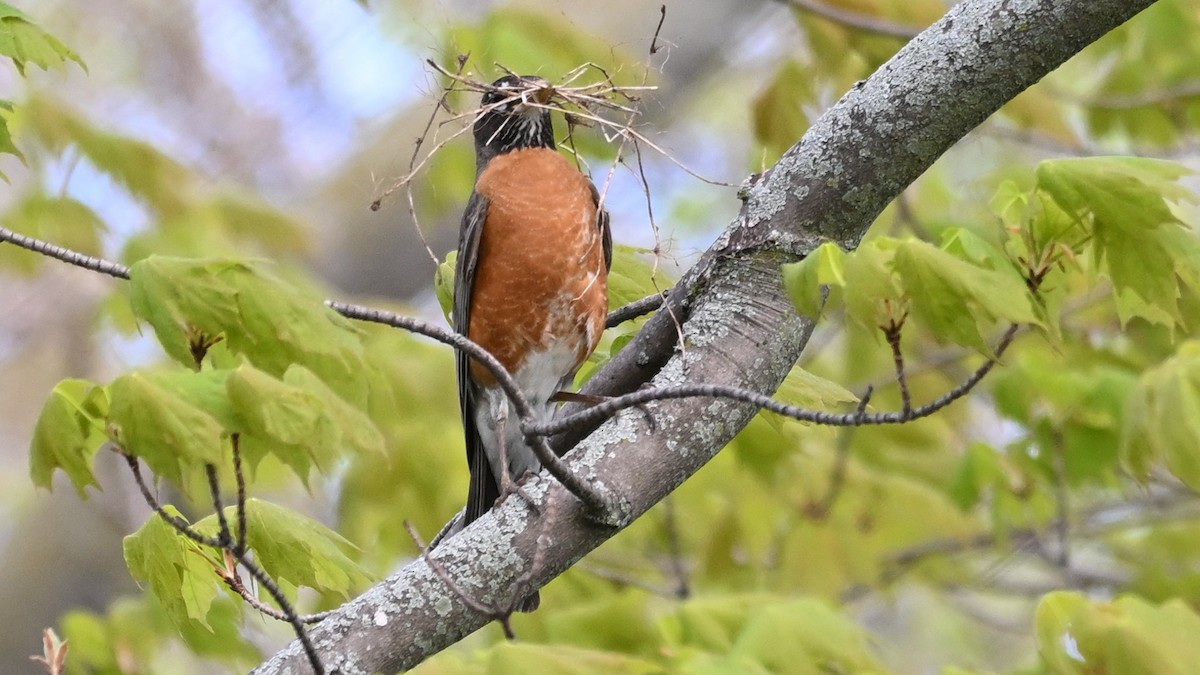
[504, 97]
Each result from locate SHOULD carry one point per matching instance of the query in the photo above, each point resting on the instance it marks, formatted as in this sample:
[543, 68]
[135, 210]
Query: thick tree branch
[737, 322]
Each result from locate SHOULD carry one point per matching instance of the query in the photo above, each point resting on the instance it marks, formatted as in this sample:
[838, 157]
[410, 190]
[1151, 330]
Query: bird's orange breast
[540, 279]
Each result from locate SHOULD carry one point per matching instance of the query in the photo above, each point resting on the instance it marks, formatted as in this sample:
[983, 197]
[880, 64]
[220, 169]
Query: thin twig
[1062, 524]
[589, 494]
[662, 16]
[635, 309]
[1097, 520]
[184, 527]
[239, 547]
[585, 98]
[892, 333]
[412, 207]
[626, 579]
[607, 409]
[841, 460]
[66, 255]
[442, 574]
[214, 488]
[1141, 99]
[856, 20]
[235, 583]
[223, 543]
[290, 614]
[683, 589]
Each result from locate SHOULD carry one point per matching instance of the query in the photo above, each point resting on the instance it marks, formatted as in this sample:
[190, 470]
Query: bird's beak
[541, 96]
[544, 93]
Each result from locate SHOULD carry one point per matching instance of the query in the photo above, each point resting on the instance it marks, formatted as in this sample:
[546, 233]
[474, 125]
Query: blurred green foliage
[1084, 439]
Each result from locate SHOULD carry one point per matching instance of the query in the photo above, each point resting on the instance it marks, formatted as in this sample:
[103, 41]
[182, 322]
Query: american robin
[531, 286]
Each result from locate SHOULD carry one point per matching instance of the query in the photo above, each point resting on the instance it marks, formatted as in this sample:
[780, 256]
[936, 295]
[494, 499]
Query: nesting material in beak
[542, 95]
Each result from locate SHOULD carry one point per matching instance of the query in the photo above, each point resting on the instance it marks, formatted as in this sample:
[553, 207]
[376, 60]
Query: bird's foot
[509, 487]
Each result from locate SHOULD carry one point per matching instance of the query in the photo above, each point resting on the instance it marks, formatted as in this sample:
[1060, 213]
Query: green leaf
[768, 634]
[174, 567]
[162, 183]
[781, 111]
[1128, 636]
[518, 658]
[980, 469]
[762, 445]
[1134, 67]
[632, 277]
[222, 639]
[253, 219]
[171, 420]
[443, 283]
[59, 220]
[272, 324]
[282, 420]
[540, 43]
[804, 280]
[145, 171]
[1124, 202]
[298, 419]
[957, 300]
[67, 436]
[1163, 419]
[616, 622]
[296, 549]
[1161, 557]
[1050, 224]
[23, 42]
[90, 642]
[873, 294]
[129, 635]
[805, 390]
[1056, 644]
[6, 142]
[969, 246]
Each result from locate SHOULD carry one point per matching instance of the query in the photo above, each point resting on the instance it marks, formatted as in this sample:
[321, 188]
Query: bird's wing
[602, 223]
[483, 491]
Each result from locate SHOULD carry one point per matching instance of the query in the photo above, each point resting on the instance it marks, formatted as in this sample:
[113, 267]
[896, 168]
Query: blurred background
[300, 113]
[312, 107]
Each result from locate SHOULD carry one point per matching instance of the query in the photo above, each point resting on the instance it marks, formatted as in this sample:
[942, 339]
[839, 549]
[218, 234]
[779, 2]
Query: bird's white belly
[543, 374]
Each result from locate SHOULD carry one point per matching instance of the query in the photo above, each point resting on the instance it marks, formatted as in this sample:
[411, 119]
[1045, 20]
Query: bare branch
[677, 567]
[602, 411]
[234, 581]
[601, 505]
[181, 525]
[1143, 99]
[214, 487]
[66, 255]
[892, 333]
[440, 571]
[598, 501]
[239, 547]
[224, 542]
[289, 611]
[855, 20]
[841, 460]
[662, 10]
[635, 309]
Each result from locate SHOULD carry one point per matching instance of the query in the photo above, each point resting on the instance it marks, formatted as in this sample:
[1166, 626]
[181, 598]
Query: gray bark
[738, 324]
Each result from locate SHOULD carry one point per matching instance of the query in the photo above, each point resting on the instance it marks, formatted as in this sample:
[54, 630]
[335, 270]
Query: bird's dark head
[514, 117]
